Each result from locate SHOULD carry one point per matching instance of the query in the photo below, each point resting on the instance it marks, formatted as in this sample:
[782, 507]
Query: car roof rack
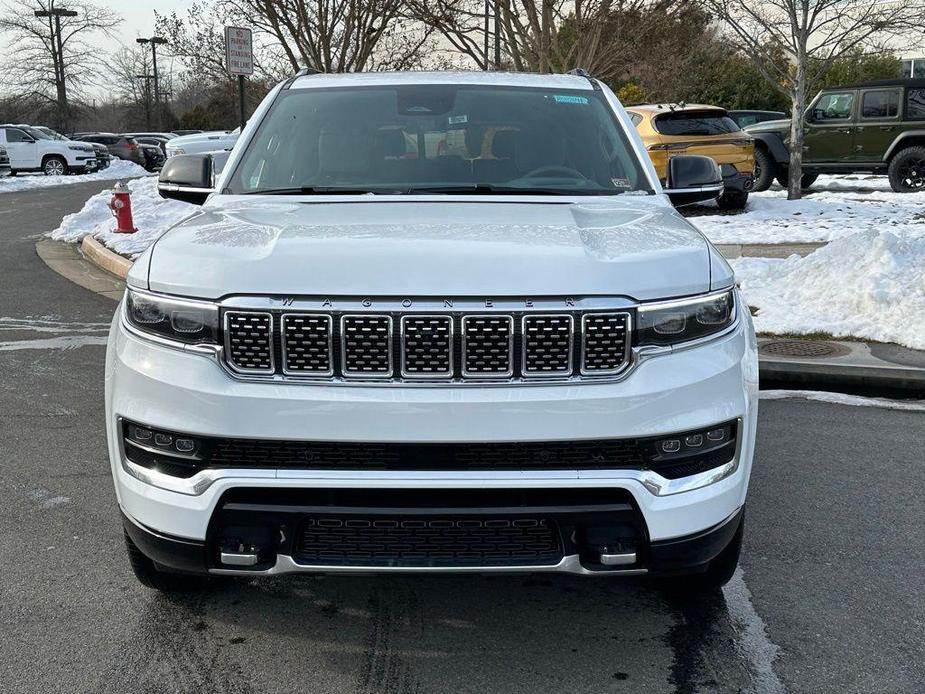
[307, 71]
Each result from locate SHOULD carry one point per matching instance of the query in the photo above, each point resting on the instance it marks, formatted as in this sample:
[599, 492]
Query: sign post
[239, 59]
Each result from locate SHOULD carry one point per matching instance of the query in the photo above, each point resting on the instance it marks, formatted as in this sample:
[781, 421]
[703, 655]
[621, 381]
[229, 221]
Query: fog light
[694, 440]
[163, 439]
[716, 434]
[671, 446]
[185, 445]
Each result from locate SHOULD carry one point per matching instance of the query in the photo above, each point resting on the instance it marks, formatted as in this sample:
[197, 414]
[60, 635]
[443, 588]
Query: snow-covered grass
[153, 215]
[837, 206]
[869, 285]
[119, 168]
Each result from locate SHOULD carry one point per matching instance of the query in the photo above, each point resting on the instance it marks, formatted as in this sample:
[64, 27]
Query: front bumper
[681, 390]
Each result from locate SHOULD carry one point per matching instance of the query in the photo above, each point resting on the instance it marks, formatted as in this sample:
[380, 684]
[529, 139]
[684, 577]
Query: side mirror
[693, 178]
[186, 177]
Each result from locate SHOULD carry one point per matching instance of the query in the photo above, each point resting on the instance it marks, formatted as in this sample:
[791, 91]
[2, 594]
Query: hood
[769, 126]
[635, 247]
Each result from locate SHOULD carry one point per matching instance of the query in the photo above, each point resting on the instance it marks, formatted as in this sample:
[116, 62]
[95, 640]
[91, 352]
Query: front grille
[367, 345]
[452, 347]
[307, 344]
[426, 541]
[488, 346]
[249, 341]
[427, 346]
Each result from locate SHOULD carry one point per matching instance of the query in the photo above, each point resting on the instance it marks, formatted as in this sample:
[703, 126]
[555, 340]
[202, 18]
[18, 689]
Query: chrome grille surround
[366, 345]
[596, 357]
[299, 355]
[399, 322]
[244, 352]
[421, 353]
[488, 346]
[549, 346]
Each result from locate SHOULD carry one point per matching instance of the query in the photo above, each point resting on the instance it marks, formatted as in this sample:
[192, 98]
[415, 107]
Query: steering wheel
[548, 170]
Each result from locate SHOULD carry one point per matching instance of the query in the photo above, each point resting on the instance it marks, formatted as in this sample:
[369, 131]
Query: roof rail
[307, 71]
[581, 72]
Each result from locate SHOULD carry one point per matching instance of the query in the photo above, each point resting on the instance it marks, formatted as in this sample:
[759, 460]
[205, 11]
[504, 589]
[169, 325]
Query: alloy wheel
[912, 174]
[54, 167]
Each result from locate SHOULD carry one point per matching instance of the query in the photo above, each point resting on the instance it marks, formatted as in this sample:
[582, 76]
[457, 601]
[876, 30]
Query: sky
[139, 15]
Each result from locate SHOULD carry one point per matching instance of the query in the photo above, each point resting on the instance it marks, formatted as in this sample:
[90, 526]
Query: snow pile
[870, 285]
[153, 215]
[838, 206]
[119, 168]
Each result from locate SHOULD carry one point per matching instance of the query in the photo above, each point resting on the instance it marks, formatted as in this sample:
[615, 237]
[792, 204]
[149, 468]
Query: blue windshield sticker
[569, 99]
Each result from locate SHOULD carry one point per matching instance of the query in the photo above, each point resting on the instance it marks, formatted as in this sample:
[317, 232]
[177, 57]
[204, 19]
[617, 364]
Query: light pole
[57, 54]
[155, 41]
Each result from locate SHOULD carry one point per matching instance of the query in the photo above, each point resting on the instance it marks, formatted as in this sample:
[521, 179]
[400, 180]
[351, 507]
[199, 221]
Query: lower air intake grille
[425, 541]
[248, 341]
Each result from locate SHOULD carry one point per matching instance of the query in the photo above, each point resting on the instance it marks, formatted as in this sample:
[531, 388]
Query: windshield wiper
[492, 189]
[319, 190]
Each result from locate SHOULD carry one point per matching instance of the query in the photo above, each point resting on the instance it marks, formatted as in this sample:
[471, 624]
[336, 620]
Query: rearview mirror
[693, 178]
[187, 177]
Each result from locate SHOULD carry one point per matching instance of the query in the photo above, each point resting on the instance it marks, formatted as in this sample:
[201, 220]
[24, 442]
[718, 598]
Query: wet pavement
[828, 597]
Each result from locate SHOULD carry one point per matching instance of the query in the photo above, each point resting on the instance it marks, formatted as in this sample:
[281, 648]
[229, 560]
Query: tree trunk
[798, 98]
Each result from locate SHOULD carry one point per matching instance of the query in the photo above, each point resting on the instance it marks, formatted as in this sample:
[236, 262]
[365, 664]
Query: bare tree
[49, 55]
[793, 42]
[132, 74]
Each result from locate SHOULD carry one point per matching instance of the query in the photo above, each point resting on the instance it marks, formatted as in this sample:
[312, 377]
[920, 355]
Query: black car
[154, 156]
[743, 118]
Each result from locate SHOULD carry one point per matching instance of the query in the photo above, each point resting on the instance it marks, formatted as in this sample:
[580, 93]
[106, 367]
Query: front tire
[150, 576]
[764, 170]
[907, 170]
[719, 572]
[732, 200]
[54, 166]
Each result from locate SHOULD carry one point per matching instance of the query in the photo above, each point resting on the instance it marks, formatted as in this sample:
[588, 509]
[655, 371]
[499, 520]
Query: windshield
[36, 133]
[695, 123]
[439, 138]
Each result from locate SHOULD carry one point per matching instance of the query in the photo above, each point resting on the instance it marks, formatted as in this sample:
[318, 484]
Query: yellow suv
[670, 129]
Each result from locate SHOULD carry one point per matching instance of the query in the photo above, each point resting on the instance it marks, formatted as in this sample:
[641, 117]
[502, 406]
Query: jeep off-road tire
[806, 180]
[765, 169]
[150, 576]
[732, 200]
[907, 170]
[53, 165]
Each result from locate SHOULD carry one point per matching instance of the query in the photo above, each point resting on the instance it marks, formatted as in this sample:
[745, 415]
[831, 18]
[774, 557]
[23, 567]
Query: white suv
[433, 322]
[33, 152]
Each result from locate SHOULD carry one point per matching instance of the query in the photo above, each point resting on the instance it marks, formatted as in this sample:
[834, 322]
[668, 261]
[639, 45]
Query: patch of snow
[840, 206]
[843, 399]
[152, 214]
[870, 284]
[119, 168]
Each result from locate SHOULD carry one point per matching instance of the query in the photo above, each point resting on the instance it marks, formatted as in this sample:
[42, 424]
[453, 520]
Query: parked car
[871, 127]
[670, 129]
[103, 158]
[5, 169]
[439, 322]
[30, 150]
[118, 145]
[154, 155]
[203, 142]
[157, 141]
[743, 118]
[186, 132]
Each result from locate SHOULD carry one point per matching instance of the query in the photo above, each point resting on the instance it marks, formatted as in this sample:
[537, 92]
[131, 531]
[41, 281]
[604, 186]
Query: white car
[433, 322]
[215, 141]
[29, 152]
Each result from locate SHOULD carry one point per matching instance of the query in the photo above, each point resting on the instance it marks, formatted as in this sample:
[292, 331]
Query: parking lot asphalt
[828, 598]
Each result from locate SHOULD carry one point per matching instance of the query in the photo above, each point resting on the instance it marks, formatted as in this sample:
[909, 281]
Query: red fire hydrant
[121, 207]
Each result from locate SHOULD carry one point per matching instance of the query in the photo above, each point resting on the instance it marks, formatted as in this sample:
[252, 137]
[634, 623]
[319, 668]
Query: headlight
[180, 320]
[171, 151]
[670, 323]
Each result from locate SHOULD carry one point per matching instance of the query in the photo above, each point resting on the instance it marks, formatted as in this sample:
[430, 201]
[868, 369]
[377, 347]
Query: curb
[104, 258]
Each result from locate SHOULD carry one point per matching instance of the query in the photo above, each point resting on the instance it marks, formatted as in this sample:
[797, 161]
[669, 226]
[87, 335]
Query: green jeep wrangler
[874, 127]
